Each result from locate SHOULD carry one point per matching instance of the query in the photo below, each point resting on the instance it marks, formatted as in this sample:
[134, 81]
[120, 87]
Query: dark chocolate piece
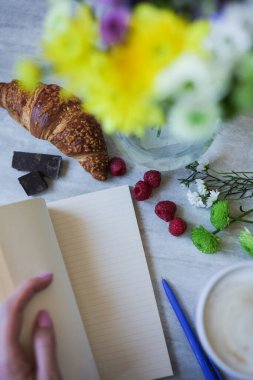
[49, 165]
[33, 183]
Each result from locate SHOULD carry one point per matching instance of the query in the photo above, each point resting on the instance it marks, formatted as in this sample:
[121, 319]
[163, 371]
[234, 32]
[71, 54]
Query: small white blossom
[202, 190]
[195, 199]
[209, 203]
[213, 196]
[183, 185]
[202, 164]
[191, 196]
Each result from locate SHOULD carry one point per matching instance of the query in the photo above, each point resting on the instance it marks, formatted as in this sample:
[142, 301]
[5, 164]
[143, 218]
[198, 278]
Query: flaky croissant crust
[48, 116]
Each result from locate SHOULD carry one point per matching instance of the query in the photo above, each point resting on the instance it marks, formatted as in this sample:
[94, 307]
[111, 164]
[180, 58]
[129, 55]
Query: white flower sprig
[210, 184]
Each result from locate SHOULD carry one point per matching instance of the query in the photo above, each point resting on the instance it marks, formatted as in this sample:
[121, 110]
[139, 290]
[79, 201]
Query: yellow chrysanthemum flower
[117, 85]
[28, 73]
[122, 94]
[197, 32]
[70, 45]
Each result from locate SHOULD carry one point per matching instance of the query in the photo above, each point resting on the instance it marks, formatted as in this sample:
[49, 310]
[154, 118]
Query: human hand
[14, 363]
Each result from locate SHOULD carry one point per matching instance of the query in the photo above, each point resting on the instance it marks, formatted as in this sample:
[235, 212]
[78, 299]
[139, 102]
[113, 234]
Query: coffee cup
[224, 320]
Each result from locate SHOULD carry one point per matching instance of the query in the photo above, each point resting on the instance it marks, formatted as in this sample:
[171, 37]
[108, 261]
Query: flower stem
[238, 218]
[242, 215]
[229, 173]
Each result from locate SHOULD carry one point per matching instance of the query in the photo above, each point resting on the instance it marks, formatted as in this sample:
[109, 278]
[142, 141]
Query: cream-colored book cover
[101, 253]
[28, 246]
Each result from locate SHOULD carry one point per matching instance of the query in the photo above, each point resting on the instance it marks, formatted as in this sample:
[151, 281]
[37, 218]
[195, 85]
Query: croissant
[47, 116]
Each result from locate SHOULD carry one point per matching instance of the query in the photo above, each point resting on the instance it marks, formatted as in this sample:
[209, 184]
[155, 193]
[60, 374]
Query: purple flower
[114, 24]
[112, 3]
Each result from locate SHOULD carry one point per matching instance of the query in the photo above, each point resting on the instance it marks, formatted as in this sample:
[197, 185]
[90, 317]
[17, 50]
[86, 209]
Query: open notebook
[109, 328]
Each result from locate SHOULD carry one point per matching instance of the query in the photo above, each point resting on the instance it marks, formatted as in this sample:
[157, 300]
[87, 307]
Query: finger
[45, 348]
[12, 309]
[26, 291]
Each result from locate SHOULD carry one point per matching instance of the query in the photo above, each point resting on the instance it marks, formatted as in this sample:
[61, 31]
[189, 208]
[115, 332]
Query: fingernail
[44, 319]
[45, 276]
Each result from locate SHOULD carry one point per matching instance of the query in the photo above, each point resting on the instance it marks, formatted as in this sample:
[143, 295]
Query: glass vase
[159, 149]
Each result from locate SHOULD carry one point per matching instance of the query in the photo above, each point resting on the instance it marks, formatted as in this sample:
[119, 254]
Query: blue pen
[209, 370]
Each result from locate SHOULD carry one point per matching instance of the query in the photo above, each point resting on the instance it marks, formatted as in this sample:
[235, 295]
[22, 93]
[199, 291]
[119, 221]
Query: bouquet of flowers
[139, 64]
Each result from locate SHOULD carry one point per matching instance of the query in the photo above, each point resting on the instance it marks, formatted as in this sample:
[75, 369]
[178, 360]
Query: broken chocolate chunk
[33, 183]
[49, 165]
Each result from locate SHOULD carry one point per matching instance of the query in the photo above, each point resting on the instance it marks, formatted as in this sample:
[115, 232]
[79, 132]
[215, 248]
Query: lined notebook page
[103, 253]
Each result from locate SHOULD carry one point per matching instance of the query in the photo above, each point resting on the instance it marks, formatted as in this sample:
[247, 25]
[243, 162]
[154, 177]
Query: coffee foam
[228, 319]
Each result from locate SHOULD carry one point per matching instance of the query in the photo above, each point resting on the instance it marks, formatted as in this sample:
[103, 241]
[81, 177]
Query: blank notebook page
[103, 253]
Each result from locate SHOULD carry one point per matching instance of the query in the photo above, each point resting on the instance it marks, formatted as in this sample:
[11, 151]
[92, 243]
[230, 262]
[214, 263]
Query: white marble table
[175, 258]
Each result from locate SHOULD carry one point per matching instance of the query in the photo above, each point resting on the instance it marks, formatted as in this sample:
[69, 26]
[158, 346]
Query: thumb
[45, 348]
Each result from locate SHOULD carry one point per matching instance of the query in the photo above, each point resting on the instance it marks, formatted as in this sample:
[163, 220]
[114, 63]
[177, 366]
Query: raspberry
[177, 227]
[117, 166]
[141, 191]
[166, 210]
[153, 178]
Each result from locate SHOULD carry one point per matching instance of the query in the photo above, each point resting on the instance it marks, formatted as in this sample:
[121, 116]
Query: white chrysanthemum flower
[193, 118]
[192, 74]
[213, 196]
[188, 71]
[57, 19]
[231, 34]
[195, 199]
[228, 42]
[202, 164]
[241, 14]
[202, 190]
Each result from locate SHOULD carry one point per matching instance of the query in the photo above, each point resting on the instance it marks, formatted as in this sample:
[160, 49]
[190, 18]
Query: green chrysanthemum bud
[246, 241]
[220, 215]
[205, 241]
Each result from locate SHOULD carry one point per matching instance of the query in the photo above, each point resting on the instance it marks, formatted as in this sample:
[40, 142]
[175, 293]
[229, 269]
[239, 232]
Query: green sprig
[246, 241]
[207, 242]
